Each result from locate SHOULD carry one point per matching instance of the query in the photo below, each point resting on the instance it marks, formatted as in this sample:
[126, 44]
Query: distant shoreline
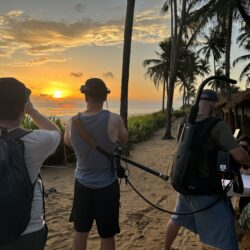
[67, 108]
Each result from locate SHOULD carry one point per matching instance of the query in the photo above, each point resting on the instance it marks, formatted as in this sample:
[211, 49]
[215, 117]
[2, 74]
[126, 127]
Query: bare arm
[67, 134]
[241, 156]
[41, 121]
[122, 132]
[225, 139]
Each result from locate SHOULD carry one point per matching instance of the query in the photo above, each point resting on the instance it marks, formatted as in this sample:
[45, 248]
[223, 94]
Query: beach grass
[29, 124]
[140, 128]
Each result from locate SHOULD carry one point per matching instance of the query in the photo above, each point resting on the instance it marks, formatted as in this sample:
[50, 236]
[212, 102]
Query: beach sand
[142, 226]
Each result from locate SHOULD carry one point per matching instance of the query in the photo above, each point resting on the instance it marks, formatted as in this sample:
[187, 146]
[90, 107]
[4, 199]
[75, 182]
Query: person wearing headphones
[215, 225]
[96, 194]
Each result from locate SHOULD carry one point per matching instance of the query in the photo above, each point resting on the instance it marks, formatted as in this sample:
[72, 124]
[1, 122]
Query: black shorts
[101, 205]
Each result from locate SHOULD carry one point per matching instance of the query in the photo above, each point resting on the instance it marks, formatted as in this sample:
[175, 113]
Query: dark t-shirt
[221, 133]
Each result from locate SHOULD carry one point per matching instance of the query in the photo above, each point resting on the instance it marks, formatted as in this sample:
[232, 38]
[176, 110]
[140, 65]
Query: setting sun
[57, 94]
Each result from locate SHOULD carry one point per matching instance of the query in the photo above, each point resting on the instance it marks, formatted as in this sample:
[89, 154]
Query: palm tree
[191, 93]
[176, 40]
[218, 85]
[244, 41]
[158, 69]
[224, 13]
[189, 67]
[213, 45]
[126, 60]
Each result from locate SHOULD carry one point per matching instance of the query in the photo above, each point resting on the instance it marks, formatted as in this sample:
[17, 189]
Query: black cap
[94, 87]
[209, 95]
[13, 96]
[13, 91]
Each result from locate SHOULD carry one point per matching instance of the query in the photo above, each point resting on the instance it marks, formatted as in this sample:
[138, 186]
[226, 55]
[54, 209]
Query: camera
[224, 165]
[228, 169]
[120, 170]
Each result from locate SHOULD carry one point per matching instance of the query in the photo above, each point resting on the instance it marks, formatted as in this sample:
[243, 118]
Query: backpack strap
[86, 136]
[44, 210]
[209, 124]
[16, 133]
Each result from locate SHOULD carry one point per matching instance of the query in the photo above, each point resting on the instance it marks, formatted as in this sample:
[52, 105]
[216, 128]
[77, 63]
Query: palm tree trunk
[214, 64]
[229, 37]
[163, 96]
[184, 98]
[126, 60]
[172, 25]
[173, 67]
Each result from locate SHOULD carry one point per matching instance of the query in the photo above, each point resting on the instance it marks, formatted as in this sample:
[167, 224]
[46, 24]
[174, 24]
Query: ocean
[65, 108]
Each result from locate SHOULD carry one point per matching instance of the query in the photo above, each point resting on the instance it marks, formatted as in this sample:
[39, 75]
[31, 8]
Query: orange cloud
[35, 62]
[76, 74]
[41, 37]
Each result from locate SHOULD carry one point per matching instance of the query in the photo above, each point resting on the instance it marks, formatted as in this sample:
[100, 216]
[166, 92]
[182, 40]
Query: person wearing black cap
[14, 103]
[96, 195]
[214, 225]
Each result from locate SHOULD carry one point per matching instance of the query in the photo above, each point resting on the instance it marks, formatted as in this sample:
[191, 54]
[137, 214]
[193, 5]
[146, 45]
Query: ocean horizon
[66, 109]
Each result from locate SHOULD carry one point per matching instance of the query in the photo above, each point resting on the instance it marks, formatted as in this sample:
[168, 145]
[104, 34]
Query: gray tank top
[93, 169]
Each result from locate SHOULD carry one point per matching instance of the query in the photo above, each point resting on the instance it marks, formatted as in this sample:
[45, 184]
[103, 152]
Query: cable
[170, 212]
[118, 157]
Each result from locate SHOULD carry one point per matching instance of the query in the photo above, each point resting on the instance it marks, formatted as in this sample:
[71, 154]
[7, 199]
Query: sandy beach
[142, 226]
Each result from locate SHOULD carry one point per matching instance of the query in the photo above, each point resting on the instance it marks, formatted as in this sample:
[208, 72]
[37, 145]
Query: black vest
[195, 164]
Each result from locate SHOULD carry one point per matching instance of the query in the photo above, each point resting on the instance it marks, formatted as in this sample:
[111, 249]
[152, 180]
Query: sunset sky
[53, 46]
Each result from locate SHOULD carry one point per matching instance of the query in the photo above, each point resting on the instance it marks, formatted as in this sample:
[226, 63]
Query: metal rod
[147, 169]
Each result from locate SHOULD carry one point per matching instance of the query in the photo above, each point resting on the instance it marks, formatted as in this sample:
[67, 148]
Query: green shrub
[141, 127]
[178, 113]
[59, 156]
[28, 123]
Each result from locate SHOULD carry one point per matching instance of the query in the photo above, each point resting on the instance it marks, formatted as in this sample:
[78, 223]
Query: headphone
[94, 91]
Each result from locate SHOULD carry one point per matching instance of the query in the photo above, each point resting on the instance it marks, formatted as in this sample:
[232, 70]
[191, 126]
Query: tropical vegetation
[244, 42]
[200, 43]
[140, 128]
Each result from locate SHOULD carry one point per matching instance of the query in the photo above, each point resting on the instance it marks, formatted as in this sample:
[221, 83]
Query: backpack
[194, 169]
[16, 189]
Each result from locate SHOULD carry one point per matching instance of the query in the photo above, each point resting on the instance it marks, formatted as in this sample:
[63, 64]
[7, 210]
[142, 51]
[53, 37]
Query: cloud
[79, 7]
[108, 74]
[14, 13]
[150, 26]
[76, 74]
[43, 37]
[44, 49]
[37, 61]
[61, 107]
[44, 95]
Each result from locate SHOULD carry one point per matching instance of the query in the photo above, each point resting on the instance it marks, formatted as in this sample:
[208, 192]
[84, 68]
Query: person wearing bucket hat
[96, 195]
[218, 219]
[14, 103]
